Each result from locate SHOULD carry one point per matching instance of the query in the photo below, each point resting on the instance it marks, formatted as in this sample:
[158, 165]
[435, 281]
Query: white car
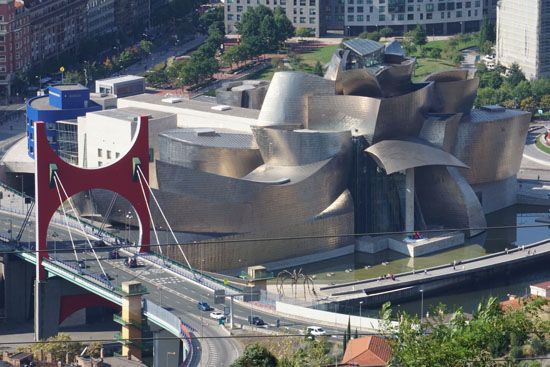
[315, 331]
[217, 315]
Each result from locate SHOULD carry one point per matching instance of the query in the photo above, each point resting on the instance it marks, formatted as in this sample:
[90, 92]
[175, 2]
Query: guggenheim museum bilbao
[315, 162]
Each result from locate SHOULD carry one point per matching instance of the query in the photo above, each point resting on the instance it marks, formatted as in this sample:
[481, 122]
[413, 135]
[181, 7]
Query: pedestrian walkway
[358, 289]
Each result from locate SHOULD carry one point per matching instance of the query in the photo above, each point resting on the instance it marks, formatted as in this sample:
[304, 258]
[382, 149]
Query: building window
[429, 7]
[468, 4]
[350, 18]
[410, 16]
[99, 163]
[359, 18]
[381, 9]
[442, 15]
[108, 154]
[312, 11]
[117, 154]
[229, 16]
[459, 5]
[381, 17]
[459, 14]
[429, 15]
[441, 6]
[311, 20]
[360, 9]
[311, 2]
[450, 6]
[351, 9]
[239, 8]
[302, 19]
[99, 152]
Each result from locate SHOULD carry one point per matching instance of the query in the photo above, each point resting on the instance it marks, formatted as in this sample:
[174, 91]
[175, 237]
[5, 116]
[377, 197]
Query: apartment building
[352, 17]
[523, 36]
[14, 43]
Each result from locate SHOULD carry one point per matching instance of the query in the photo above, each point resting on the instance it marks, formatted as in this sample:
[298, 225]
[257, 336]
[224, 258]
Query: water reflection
[384, 262]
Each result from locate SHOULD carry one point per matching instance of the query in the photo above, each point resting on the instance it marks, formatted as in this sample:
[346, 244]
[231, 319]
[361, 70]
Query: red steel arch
[118, 177]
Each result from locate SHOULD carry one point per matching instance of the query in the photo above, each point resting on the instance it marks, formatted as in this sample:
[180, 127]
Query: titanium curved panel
[336, 64]
[446, 199]
[236, 156]
[491, 144]
[399, 155]
[359, 82]
[375, 118]
[440, 130]
[284, 103]
[448, 76]
[203, 202]
[395, 78]
[455, 96]
[281, 147]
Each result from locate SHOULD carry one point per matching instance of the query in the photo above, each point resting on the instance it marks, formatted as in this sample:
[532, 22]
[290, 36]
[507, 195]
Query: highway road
[176, 294]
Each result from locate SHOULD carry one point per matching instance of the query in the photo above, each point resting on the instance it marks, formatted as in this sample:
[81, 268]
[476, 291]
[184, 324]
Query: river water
[361, 266]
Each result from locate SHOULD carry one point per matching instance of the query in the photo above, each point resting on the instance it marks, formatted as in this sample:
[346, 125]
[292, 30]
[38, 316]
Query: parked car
[81, 264]
[255, 320]
[217, 315]
[315, 331]
[203, 306]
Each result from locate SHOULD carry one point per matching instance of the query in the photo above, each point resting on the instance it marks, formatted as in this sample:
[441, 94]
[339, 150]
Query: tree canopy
[263, 30]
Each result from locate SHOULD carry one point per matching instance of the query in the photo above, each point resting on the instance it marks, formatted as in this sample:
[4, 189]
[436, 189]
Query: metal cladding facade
[302, 170]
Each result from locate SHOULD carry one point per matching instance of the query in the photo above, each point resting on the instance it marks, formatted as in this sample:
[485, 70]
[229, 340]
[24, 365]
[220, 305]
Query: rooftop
[156, 99]
[65, 87]
[120, 79]
[43, 103]
[130, 113]
[363, 47]
[367, 351]
[216, 138]
[479, 115]
[543, 285]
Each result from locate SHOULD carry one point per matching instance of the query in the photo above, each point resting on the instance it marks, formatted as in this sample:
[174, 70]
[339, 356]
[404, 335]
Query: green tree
[318, 69]
[256, 355]
[540, 87]
[59, 345]
[491, 79]
[545, 102]
[522, 90]
[418, 35]
[313, 353]
[285, 29]
[515, 75]
[528, 104]
[211, 16]
[302, 32]
[386, 32]
[157, 78]
[486, 33]
[145, 46]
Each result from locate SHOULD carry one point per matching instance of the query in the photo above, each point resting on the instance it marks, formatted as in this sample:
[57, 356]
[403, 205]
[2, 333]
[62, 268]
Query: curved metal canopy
[399, 155]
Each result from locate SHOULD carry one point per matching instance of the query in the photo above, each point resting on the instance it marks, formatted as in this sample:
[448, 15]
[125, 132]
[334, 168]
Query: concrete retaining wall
[330, 318]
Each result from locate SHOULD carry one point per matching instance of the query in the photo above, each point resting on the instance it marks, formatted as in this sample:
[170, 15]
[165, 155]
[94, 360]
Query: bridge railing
[443, 266]
[176, 325]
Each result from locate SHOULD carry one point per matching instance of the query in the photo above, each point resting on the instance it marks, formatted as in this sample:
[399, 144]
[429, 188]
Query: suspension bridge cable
[56, 177]
[149, 212]
[65, 218]
[140, 172]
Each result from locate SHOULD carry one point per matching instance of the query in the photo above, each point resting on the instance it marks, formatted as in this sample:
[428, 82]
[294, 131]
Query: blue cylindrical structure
[63, 102]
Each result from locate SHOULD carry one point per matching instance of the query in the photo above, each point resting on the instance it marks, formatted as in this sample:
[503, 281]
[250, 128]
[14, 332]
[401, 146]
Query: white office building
[523, 36]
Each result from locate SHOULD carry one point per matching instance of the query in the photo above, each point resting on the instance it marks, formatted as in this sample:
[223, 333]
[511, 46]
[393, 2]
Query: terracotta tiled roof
[367, 351]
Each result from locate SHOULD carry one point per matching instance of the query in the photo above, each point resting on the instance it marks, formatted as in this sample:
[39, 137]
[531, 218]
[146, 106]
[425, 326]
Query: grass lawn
[322, 55]
[543, 147]
[265, 74]
[441, 44]
[427, 66]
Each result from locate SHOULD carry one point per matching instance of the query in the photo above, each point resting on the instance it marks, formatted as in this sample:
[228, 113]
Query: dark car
[203, 306]
[99, 243]
[114, 254]
[131, 262]
[255, 320]
[81, 264]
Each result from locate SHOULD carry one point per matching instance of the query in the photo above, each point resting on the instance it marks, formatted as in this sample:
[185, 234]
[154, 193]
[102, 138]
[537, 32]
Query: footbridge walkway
[409, 283]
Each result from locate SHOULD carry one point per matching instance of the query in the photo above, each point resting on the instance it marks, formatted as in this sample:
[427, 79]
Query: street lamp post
[421, 305]
[360, 318]
[22, 191]
[128, 217]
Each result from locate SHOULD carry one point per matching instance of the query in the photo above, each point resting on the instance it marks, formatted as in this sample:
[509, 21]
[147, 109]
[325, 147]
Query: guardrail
[443, 266]
[173, 324]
